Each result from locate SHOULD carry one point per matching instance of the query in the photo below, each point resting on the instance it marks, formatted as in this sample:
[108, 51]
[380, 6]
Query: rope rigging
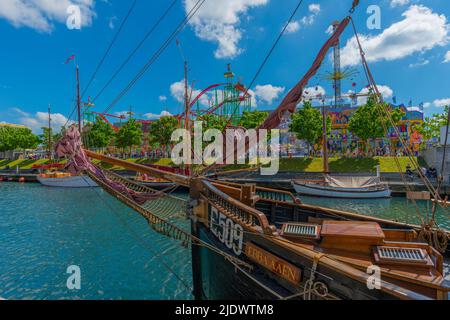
[136, 49]
[102, 60]
[435, 237]
[158, 53]
[268, 55]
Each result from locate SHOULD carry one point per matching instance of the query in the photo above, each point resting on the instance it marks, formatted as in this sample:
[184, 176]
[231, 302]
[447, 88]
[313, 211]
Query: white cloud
[153, 116]
[20, 112]
[267, 93]
[162, 98]
[292, 27]
[397, 3]
[40, 14]
[419, 63]
[112, 22]
[308, 20]
[122, 113]
[39, 120]
[314, 8]
[313, 93]
[442, 102]
[329, 30]
[178, 92]
[419, 31]
[218, 21]
[427, 105]
[385, 91]
[447, 57]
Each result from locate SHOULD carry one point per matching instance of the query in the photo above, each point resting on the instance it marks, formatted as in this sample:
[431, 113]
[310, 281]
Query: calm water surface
[43, 231]
[395, 209]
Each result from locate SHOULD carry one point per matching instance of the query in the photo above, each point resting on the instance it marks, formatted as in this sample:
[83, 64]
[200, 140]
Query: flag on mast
[72, 57]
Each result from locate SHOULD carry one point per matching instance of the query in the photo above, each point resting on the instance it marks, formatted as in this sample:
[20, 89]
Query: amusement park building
[341, 138]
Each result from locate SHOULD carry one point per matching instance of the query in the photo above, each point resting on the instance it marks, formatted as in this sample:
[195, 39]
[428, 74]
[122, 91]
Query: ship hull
[68, 182]
[345, 193]
[218, 278]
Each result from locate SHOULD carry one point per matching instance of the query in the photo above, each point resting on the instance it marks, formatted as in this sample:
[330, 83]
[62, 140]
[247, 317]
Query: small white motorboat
[65, 180]
[344, 187]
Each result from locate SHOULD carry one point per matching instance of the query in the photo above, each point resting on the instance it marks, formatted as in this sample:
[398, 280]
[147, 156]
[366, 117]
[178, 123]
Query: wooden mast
[49, 133]
[78, 100]
[187, 106]
[326, 166]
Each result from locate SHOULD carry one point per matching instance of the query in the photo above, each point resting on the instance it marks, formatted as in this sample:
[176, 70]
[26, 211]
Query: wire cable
[268, 55]
[136, 49]
[158, 53]
[102, 60]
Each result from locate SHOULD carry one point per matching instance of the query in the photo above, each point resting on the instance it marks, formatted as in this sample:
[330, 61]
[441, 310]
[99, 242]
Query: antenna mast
[49, 133]
[337, 69]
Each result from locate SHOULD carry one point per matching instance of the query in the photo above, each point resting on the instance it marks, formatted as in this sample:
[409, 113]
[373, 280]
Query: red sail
[294, 96]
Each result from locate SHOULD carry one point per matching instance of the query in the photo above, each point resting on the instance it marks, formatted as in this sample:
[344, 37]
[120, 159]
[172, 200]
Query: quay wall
[434, 157]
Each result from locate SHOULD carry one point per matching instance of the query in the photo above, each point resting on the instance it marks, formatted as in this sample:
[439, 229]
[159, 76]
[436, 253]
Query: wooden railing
[179, 179]
[268, 193]
[276, 195]
[234, 208]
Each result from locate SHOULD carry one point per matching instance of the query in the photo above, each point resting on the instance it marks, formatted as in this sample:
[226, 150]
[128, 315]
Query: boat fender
[22, 180]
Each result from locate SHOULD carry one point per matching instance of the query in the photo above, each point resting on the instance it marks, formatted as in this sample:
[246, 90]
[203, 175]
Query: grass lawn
[364, 165]
[23, 164]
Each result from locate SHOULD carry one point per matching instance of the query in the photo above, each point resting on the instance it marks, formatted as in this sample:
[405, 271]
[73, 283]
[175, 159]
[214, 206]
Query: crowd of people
[430, 173]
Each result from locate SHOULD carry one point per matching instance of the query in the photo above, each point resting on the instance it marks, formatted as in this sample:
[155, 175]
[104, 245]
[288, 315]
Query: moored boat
[346, 187]
[66, 180]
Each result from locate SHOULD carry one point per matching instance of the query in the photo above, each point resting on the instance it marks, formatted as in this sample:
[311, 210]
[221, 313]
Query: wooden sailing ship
[258, 243]
[250, 242]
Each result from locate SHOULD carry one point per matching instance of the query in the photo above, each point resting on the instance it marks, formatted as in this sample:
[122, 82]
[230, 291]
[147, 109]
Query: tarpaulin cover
[352, 182]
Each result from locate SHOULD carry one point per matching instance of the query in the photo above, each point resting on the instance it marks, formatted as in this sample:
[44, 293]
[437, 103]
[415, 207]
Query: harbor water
[43, 231]
[396, 208]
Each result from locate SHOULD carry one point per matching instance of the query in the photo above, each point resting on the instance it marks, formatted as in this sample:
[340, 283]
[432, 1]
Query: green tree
[431, 127]
[307, 124]
[44, 137]
[8, 140]
[369, 120]
[100, 134]
[26, 139]
[212, 121]
[129, 135]
[253, 119]
[161, 131]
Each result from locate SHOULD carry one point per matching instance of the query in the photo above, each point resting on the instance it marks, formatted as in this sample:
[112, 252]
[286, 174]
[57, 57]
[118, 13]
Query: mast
[78, 100]
[187, 110]
[49, 133]
[337, 68]
[326, 167]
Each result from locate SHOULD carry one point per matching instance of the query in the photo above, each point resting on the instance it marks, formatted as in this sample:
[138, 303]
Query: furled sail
[295, 95]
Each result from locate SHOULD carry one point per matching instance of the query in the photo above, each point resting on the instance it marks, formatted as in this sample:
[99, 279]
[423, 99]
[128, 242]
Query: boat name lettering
[272, 263]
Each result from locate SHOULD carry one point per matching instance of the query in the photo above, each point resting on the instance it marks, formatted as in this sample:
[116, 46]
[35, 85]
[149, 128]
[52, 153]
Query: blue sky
[409, 55]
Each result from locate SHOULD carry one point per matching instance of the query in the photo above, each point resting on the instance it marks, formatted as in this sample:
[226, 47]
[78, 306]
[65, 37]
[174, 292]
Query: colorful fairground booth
[342, 141]
[341, 138]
